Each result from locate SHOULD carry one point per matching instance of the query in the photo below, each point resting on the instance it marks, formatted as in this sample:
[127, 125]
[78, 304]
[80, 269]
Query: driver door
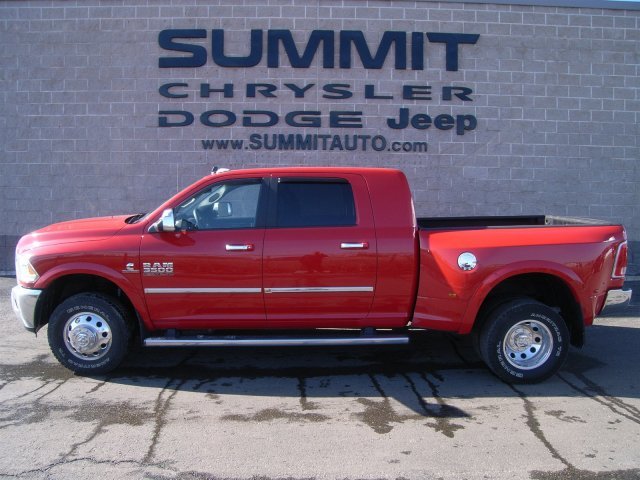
[208, 273]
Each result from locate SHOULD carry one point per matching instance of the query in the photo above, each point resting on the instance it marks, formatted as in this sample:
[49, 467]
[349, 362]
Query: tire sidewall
[502, 320]
[103, 306]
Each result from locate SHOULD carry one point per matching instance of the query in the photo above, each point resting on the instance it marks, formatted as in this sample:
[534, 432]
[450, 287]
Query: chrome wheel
[87, 336]
[524, 341]
[527, 344]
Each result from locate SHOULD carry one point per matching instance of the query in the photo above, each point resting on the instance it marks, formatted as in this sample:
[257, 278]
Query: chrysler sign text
[326, 49]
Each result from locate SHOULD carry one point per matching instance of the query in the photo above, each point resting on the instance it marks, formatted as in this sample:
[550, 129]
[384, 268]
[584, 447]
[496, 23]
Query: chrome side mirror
[167, 223]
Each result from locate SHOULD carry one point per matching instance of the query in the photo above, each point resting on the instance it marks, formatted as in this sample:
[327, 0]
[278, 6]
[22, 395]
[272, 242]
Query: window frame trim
[272, 216]
[262, 208]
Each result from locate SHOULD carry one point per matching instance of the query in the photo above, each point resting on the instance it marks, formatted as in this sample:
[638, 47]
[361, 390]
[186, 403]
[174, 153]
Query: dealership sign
[331, 50]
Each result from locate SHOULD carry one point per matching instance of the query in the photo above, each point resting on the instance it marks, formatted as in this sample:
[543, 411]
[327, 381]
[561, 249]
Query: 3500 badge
[157, 268]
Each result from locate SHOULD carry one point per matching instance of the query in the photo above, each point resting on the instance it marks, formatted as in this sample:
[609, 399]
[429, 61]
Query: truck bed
[425, 223]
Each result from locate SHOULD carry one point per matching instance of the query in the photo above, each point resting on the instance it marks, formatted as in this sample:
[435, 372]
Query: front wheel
[524, 341]
[88, 333]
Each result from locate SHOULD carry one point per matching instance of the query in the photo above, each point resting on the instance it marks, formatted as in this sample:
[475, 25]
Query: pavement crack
[25, 394]
[534, 425]
[162, 407]
[598, 394]
[52, 390]
[200, 384]
[445, 411]
[377, 386]
[379, 415]
[91, 460]
[305, 404]
[421, 400]
[96, 431]
[160, 411]
[99, 386]
[7, 425]
[101, 416]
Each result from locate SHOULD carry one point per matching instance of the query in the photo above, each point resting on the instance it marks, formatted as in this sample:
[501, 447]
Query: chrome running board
[240, 341]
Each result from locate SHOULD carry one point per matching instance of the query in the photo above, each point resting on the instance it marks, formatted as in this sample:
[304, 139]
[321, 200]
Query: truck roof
[310, 170]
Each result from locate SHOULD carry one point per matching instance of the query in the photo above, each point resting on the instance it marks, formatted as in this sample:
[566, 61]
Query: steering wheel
[203, 213]
[205, 216]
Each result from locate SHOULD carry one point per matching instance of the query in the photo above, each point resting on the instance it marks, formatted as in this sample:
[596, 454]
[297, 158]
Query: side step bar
[240, 341]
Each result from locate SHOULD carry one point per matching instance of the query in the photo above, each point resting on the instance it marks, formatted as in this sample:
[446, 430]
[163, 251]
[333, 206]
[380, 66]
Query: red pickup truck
[316, 256]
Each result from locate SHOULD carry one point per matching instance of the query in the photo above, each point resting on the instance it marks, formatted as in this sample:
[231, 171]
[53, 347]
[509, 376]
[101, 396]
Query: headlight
[25, 272]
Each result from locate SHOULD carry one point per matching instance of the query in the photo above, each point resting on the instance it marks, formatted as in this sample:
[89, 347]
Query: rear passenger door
[319, 252]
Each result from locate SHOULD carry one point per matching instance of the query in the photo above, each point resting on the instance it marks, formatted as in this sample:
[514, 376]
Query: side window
[315, 203]
[226, 205]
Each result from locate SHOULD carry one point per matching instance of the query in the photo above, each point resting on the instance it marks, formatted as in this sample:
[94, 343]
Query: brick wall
[555, 92]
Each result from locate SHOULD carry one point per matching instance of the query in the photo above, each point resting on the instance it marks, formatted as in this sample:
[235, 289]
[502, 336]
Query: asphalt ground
[428, 411]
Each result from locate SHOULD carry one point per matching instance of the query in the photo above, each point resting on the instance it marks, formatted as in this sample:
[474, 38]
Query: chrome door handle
[239, 248]
[354, 246]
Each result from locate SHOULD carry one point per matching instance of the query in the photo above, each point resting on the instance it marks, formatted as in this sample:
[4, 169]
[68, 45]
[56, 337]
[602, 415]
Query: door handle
[239, 248]
[354, 245]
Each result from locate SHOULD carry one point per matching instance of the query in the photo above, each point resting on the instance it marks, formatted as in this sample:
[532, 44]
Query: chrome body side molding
[201, 290]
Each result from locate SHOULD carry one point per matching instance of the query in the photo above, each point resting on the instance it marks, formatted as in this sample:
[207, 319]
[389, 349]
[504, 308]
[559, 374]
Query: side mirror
[223, 209]
[166, 223]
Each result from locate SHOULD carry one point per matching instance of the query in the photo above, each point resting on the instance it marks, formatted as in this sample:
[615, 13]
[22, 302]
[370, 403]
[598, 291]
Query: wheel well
[64, 287]
[547, 289]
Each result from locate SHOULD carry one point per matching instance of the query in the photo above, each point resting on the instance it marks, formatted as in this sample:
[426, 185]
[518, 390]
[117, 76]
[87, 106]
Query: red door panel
[320, 276]
[211, 286]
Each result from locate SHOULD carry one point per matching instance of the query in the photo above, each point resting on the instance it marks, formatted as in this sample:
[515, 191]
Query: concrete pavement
[429, 411]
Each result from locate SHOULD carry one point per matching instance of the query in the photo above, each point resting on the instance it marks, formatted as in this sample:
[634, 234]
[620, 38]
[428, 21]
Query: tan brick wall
[555, 92]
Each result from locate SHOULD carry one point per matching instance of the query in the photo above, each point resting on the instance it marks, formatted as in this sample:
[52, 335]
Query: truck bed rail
[504, 221]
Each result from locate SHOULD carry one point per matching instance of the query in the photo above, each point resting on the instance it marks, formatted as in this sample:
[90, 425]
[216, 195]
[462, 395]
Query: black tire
[88, 333]
[524, 341]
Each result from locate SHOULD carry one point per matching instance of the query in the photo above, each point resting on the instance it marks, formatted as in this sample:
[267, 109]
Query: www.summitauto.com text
[322, 142]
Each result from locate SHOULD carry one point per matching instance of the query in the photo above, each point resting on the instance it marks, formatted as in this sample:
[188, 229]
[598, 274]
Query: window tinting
[315, 203]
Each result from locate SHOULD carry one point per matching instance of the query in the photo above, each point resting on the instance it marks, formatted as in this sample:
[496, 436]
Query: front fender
[130, 284]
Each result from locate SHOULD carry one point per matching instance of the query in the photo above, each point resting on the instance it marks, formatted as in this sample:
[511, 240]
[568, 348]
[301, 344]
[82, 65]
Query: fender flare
[124, 283]
[560, 271]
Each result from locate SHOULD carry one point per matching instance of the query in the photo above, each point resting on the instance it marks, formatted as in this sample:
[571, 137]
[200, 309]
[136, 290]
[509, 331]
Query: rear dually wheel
[524, 341]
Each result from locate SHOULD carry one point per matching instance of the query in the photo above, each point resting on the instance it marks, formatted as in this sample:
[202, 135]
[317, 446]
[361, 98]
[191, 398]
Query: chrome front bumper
[23, 301]
[618, 297]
